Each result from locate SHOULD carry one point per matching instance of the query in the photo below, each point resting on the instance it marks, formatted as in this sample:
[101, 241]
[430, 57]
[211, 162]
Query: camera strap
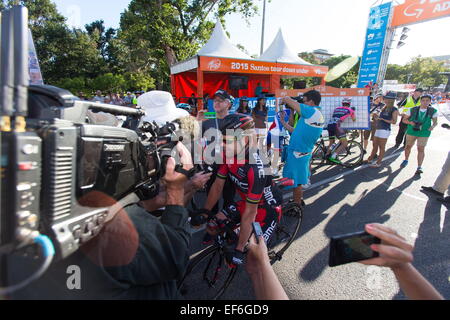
[188, 173]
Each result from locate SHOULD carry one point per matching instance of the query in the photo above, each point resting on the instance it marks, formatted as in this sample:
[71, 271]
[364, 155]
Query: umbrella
[341, 69]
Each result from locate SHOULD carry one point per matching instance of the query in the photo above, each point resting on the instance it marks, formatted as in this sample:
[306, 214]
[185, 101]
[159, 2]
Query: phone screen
[351, 248]
[257, 230]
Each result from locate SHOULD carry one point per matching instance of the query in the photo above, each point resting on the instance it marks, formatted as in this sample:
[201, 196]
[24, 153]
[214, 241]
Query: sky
[338, 26]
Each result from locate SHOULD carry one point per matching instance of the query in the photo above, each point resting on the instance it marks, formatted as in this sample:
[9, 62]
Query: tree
[309, 57]
[425, 72]
[160, 33]
[396, 72]
[109, 83]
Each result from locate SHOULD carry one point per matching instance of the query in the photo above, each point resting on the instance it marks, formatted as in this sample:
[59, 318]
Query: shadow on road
[371, 207]
[431, 250]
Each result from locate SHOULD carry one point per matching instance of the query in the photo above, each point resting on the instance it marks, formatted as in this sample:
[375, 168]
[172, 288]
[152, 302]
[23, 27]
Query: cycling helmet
[347, 101]
[426, 96]
[236, 121]
[244, 99]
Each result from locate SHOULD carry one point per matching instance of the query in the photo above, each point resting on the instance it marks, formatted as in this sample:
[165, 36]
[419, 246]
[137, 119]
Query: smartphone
[352, 247]
[257, 230]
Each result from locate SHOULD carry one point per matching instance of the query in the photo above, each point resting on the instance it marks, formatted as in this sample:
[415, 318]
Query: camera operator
[419, 128]
[160, 107]
[136, 256]
[304, 137]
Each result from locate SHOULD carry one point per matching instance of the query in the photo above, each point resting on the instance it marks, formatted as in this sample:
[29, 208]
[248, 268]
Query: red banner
[414, 11]
[212, 64]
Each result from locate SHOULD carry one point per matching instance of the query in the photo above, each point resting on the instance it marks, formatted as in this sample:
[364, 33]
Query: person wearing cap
[387, 117]
[304, 137]
[213, 156]
[128, 99]
[375, 110]
[405, 105]
[135, 99]
[98, 97]
[419, 121]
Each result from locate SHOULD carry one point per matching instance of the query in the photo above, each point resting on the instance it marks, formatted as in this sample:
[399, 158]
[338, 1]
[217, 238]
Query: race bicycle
[208, 275]
[351, 157]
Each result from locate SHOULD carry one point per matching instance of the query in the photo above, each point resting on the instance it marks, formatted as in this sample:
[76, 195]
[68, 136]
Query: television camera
[53, 153]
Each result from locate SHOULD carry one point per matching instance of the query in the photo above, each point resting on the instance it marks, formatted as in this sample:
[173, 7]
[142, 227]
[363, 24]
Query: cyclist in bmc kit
[335, 130]
[260, 201]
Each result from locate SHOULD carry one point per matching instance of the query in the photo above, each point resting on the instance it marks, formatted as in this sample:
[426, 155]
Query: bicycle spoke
[208, 276]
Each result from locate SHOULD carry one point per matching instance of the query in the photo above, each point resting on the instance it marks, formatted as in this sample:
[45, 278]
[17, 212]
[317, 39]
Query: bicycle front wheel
[285, 232]
[352, 156]
[207, 276]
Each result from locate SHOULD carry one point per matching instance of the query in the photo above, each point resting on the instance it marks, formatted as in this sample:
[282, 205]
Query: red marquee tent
[219, 60]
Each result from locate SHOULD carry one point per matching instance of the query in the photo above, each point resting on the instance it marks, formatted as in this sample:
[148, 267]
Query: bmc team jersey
[251, 181]
[341, 113]
[308, 130]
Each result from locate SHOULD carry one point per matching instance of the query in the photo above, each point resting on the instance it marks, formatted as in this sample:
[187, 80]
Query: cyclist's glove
[235, 258]
[199, 217]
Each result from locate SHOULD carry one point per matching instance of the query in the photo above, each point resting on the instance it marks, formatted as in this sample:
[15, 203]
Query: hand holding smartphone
[257, 230]
[351, 248]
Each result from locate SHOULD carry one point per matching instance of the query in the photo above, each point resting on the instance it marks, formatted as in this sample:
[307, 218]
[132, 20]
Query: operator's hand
[173, 178]
[282, 117]
[285, 101]
[394, 251]
[200, 179]
[201, 115]
[257, 255]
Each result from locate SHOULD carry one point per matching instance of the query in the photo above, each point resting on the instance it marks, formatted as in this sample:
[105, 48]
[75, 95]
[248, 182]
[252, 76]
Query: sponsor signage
[414, 11]
[374, 45]
[326, 91]
[212, 64]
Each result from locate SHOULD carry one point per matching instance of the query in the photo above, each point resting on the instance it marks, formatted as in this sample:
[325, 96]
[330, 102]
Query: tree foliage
[425, 72]
[161, 33]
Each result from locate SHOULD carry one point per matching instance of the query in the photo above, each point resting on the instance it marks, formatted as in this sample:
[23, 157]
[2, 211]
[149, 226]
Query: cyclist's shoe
[333, 160]
[234, 258]
[208, 239]
[419, 170]
[404, 163]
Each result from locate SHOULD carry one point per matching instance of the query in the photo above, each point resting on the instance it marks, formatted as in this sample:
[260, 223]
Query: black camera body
[51, 172]
[417, 126]
[299, 99]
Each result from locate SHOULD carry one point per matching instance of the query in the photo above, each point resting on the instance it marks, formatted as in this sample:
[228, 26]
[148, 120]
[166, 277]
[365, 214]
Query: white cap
[160, 107]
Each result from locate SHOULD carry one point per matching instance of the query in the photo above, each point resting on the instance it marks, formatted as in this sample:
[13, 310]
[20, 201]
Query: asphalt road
[343, 201]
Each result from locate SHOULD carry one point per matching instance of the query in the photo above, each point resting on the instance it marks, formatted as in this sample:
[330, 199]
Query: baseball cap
[223, 94]
[390, 95]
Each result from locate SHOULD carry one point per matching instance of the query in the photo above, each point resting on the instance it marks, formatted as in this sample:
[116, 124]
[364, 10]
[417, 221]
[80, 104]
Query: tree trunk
[170, 55]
